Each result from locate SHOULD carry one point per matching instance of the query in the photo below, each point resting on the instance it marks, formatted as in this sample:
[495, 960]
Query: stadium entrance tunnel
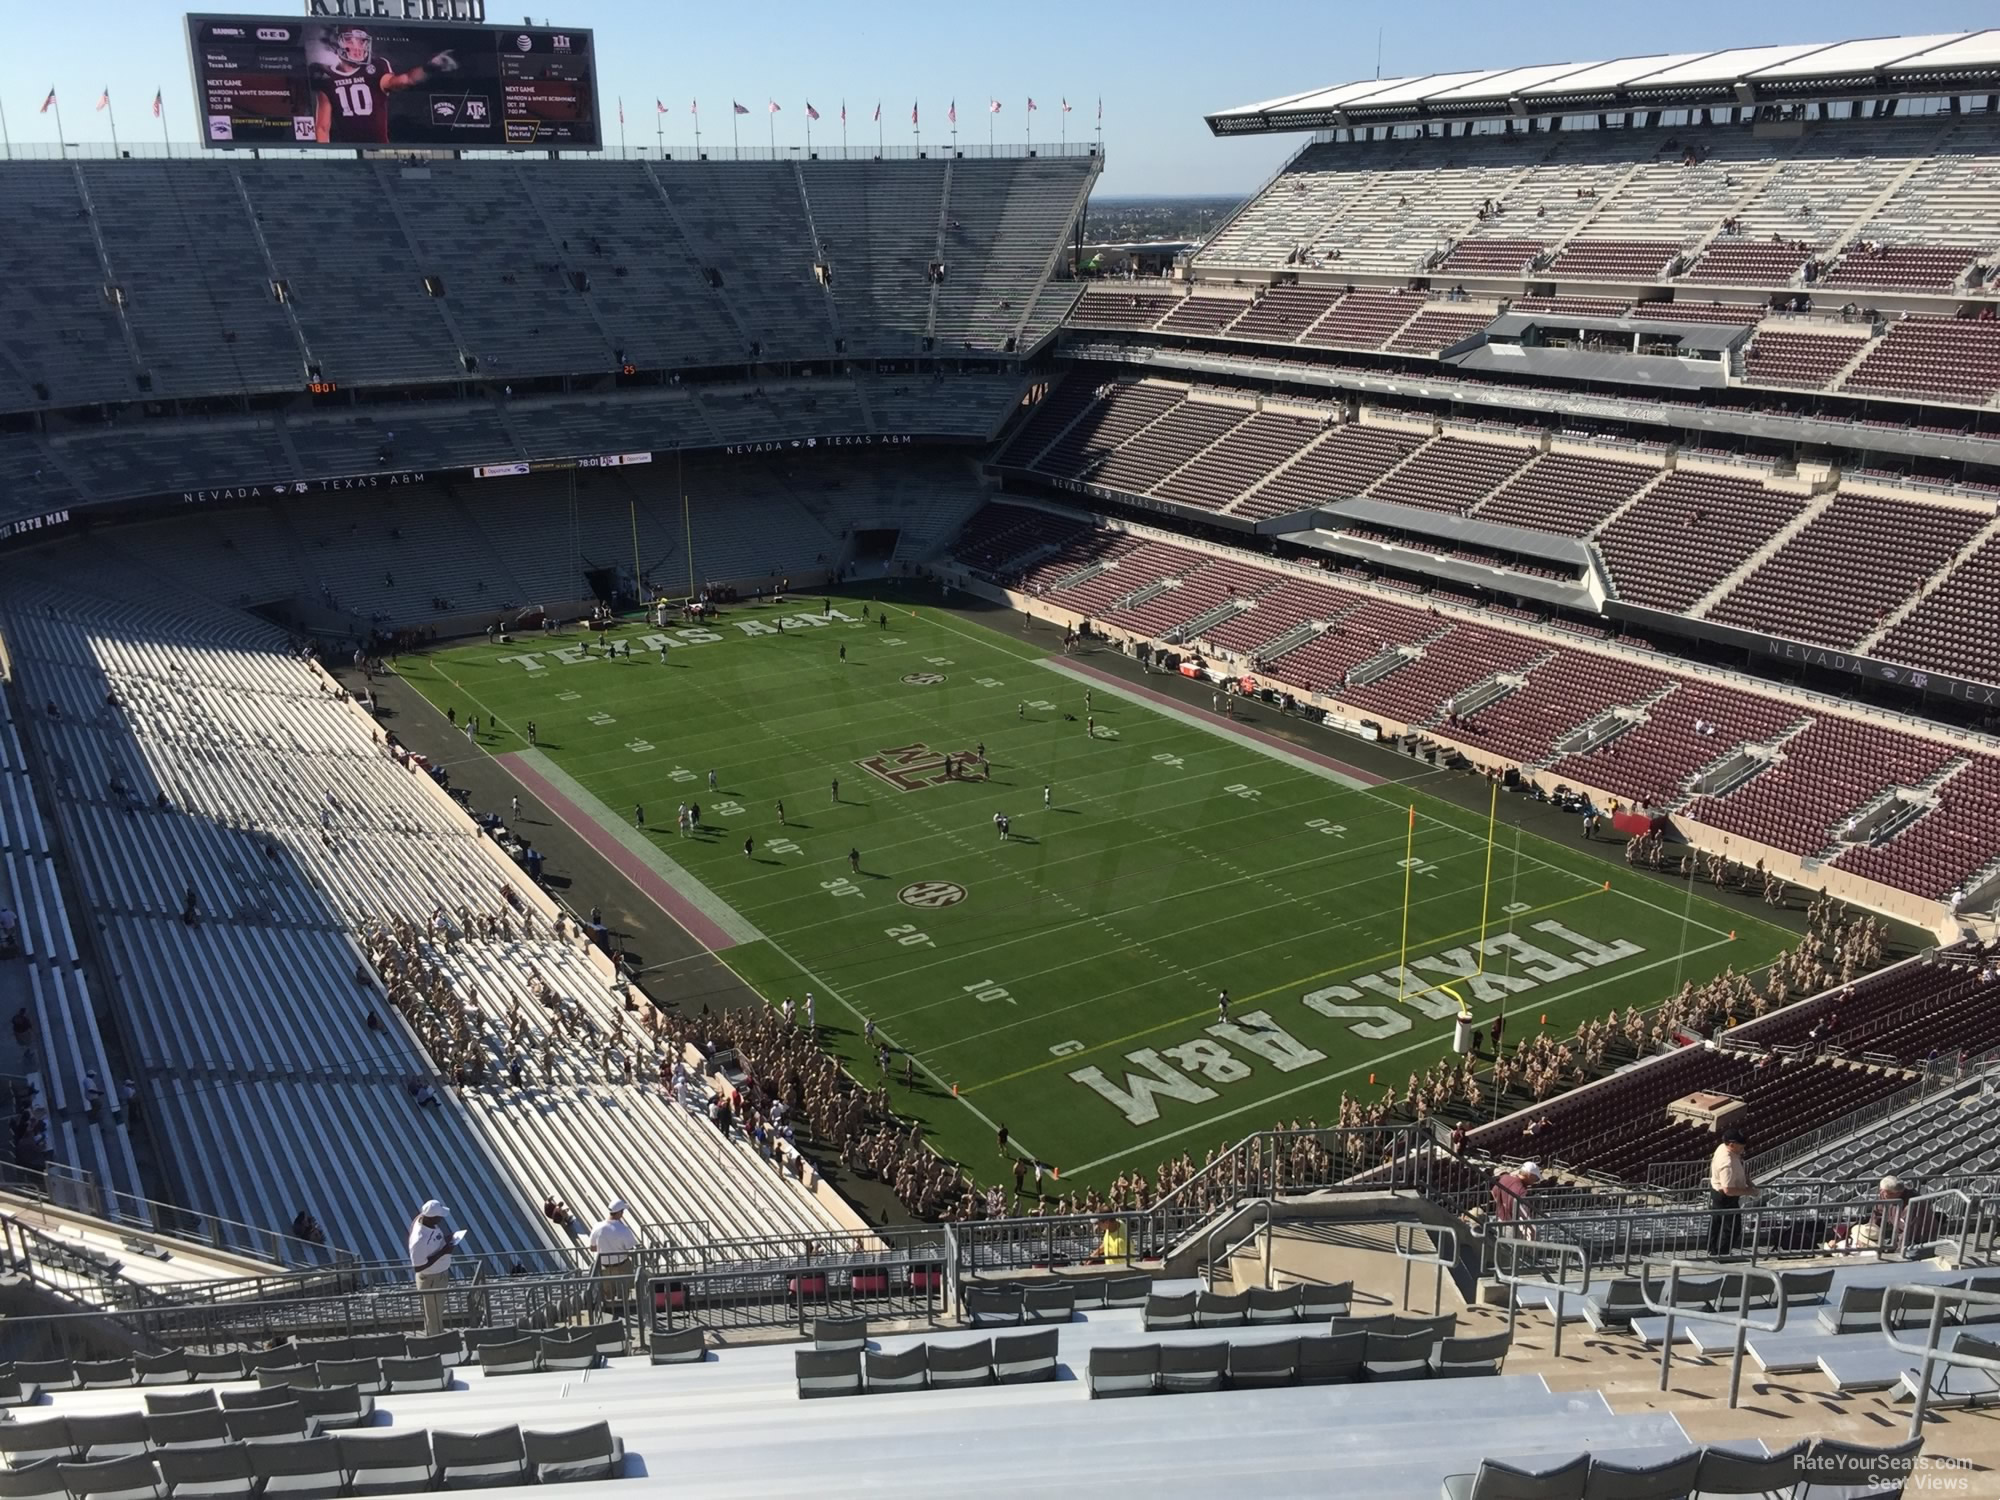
[877, 545]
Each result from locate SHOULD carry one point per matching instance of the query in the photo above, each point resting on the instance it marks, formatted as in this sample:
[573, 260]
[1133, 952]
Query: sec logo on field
[932, 894]
[924, 679]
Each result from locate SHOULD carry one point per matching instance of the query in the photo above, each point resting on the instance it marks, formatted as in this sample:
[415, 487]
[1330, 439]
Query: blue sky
[1157, 67]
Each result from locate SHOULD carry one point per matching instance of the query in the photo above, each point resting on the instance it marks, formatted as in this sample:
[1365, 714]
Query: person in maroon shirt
[351, 96]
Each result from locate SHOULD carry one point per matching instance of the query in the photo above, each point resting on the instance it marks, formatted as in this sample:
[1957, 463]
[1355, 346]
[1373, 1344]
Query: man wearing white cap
[615, 1246]
[430, 1261]
[1510, 1198]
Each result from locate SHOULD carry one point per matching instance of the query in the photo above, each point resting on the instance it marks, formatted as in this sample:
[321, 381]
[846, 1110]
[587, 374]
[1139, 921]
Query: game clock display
[348, 84]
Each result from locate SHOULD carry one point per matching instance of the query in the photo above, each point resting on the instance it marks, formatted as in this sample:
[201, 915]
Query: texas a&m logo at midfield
[909, 767]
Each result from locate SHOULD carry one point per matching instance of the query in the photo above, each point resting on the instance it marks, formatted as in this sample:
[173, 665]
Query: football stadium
[642, 786]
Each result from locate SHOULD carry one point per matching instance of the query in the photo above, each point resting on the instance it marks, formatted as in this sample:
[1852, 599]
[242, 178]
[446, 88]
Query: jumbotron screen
[348, 84]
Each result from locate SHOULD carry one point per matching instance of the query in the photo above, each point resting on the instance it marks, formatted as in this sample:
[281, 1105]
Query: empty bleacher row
[1632, 206]
[42, 472]
[1654, 732]
[1670, 536]
[61, 1051]
[189, 278]
[244, 833]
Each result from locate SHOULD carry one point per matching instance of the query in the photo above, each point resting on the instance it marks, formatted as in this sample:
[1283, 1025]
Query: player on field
[781, 815]
[1222, 1005]
[1090, 726]
[843, 652]
[1045, 799]
[836, 791]
[812, 1024]
[711, 781]
[854, 860]
[351, 94]
[639, 814]
[750, 848]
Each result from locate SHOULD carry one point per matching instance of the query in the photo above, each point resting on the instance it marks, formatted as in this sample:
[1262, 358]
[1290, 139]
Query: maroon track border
[1366, 778]
[642, 875]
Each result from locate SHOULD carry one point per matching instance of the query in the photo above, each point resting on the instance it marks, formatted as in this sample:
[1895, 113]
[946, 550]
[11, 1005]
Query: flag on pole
[811, 113]
[878, 111]
[694, 108]
[913, 108]
[1031, 104]
[47, 102]
[659, 105]
[741, 109]
[156, 103]
[1100, 107]
[993, 106]
[773, 103]
[952, 113]
[843, 111]
[1065, 105]
[104, 99]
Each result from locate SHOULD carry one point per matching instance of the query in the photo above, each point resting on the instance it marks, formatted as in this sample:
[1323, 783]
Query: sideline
[709, 920]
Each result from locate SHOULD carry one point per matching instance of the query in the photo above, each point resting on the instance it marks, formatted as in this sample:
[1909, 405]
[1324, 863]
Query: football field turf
[1064, 979]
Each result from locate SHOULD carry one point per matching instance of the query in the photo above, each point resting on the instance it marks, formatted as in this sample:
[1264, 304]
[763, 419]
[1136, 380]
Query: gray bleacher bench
[1048, 1304]
[827, 1372]
[1439, 1326]
[14, 1391]
[1024, 1358]
[1478, 1354]
[560, 1351]
[516, 1357]
[49, 1374]
[1331, 1359]
[385, 1463]
[302, 1469]
[133, 1477]
[160, 1403]
[1168, 1310]
[169, 1367]
[1130, 1371]
[840, 1333]
[1192, 1368]
[1398, 1356]
[336, 1406]
[1220, 1309]
[475, 1460]
[1952, 1386]
[1266, 1363]
[258, 1422]
[227, 1365]
[380, 1346]
[1835, 1469]
[449, 1347]
[994, 1304]
[1127, 1291]
[262, 1395]
[45, 1437]
[608, 1336]
[494, 1333]
[207, 1473]
[312, 1351]
[40, 1480]
[683, 1346]
[286, 1375]
[282, 1358]
[97, 1374]
[1658, 1479]
[1324, 1299]
[115, 1434]
[1273, 1304]
[1373, 1323]
[573, 1454]
[1615, 1305]
[424, 1373]
[1497, 1480]
[362, 1374]
[954, 1365]
[903, 1370]
[1723, 1471]
[187, 1429]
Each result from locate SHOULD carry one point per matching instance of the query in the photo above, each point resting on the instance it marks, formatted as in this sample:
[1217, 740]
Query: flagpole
[165, 144]
[694, 109]
[111, 114]
[771, 127]
[659, 130]
[735, 144]
[809, 130]
[1063, 116]
[621, 126]
[990, 113]
[6, 140]
[61, 148]
[843, 127]
[1030, 127]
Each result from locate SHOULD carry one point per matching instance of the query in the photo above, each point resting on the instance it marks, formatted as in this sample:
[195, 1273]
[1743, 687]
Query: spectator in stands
[430, 1261]
[306, 1227]
[24, 1027]
[190, 907]
[616, 1247]
[1728, 1185]
[1510, 1197]
[1114, 1245]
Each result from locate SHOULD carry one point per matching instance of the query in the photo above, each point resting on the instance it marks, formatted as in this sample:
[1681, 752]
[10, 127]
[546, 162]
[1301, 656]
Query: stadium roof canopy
[1945, 63]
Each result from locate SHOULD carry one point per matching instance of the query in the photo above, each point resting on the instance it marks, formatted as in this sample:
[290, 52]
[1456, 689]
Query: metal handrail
[1508, 1252]
[1442, 1253]
[1260, 1219]
[1895, 1303]
[1740, 1320]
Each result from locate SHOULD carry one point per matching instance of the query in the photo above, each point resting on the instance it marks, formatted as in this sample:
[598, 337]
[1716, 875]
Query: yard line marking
[1209, 1122]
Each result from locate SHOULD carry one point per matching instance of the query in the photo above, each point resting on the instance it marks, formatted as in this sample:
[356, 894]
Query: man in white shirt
[617, 1249]
[430, 1261]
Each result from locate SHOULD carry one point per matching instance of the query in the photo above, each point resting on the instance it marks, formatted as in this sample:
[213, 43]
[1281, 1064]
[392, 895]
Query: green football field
[1063, 980]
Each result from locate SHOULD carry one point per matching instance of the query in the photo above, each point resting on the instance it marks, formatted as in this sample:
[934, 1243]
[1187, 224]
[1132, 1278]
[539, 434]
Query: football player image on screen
[351, 93]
